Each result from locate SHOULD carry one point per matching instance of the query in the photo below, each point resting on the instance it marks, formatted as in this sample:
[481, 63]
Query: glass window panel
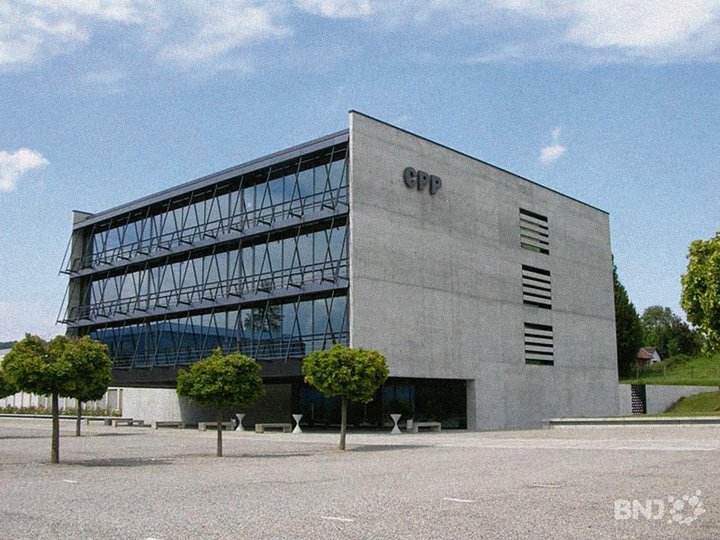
[337, 170]
[320, 316]
[305, 317]
[338, 318]
[305, 182]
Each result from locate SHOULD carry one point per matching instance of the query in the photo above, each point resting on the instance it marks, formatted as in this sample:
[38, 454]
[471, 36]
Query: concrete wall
[436, 281]
[659, 397]
[152, 404]
[112, 400]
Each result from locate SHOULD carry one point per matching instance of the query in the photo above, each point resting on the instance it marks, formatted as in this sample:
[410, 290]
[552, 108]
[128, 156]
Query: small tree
[222, 382]
[351, 374]
[40, 367]
[91, 372]
[701, 289]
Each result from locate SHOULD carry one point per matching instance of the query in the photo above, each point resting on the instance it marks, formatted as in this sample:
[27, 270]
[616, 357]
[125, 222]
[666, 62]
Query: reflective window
[268, 332]
[306, 185]
[315, 257]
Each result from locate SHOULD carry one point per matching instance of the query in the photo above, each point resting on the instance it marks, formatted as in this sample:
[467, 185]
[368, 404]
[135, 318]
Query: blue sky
[614, 103]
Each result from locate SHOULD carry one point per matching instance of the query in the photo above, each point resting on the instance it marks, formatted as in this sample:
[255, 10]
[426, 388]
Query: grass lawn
[707, 404]
[700, 371]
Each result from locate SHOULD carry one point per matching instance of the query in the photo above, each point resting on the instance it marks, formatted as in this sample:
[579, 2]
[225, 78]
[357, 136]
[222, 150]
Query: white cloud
[14, 166]
[552, 152]
[641, 25]
[337, 9]
[656, 30]
[184, 32]
[31, 30]
[219, 28]
[230, 33]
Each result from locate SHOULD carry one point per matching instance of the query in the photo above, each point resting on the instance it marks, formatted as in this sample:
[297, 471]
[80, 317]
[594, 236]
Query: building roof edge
[478, 160]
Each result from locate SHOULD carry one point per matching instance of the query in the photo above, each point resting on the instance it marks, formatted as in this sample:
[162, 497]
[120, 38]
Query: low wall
[112, 400]
[658, 396]
[158, 404]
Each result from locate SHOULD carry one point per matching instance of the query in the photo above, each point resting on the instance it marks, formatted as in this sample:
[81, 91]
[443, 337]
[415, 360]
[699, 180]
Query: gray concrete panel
[436, 280]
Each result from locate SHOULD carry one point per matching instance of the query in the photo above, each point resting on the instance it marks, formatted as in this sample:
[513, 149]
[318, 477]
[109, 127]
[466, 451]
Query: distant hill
[7, 344]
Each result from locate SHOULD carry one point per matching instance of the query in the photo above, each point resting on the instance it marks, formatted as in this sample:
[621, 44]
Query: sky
[615, 103]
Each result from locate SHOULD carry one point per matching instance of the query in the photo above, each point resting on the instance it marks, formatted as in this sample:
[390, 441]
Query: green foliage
[680, 370]
[91, 369]
[76, 369]
[628, 330]
[69, 411]
[40, 367]
[7, 387]
[222, 381]
[354, 374]
[667, 332]
[701, 289]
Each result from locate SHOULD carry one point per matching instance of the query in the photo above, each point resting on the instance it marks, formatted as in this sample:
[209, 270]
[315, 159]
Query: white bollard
[395, 419]
[297, 418]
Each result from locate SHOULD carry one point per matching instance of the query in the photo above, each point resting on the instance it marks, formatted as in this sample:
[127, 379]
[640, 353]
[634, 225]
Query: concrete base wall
[659, 397]
[158, 404]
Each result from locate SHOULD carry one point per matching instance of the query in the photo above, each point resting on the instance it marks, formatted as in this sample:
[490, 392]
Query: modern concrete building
[491, 296]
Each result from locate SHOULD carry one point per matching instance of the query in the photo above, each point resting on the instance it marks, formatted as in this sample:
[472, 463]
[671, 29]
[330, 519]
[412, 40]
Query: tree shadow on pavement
[120, 462]
[384, 448]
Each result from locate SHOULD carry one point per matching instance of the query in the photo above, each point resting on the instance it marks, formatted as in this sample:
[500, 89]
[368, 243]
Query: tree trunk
[78, 420]
[343, 422]
[55, 444]
[219, 418]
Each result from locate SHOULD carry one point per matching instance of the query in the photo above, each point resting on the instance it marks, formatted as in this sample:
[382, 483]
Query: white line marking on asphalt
[331, 518]
[458, 500]
[71, 481]
[545, 485]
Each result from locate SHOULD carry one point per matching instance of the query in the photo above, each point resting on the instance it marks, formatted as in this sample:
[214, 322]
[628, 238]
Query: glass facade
[423, 400]
[255, 262]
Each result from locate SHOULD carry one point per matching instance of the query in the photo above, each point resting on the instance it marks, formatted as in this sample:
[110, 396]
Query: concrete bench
[203, 426]
[127, 422]
[113, 421]
[168, 423]
[260, 428]
[432, 426]
[105, 421]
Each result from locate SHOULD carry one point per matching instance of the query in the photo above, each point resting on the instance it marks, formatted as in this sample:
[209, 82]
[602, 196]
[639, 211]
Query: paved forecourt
[589, 482]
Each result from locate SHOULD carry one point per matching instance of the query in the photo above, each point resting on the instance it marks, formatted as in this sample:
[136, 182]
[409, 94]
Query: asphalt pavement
[572, 482]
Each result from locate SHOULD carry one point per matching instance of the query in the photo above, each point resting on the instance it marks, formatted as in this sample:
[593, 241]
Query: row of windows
[304, 186]
[266, 332]
[309, 258]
